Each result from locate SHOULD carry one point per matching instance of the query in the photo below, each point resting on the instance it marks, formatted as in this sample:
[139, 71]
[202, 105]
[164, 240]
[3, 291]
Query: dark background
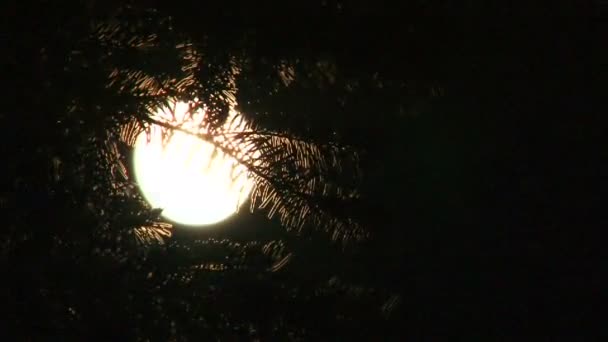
[482, 186]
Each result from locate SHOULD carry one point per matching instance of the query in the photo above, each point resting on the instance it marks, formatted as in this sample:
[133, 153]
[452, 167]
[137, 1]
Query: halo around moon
[193, 181]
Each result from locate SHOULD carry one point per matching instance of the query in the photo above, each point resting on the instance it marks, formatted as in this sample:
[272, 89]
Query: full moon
[189, 178]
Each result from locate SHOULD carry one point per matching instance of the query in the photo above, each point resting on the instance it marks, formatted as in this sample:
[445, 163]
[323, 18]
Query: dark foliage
[417, 187]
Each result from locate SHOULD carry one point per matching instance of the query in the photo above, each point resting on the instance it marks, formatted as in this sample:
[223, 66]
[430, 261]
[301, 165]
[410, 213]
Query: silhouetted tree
[84, 247]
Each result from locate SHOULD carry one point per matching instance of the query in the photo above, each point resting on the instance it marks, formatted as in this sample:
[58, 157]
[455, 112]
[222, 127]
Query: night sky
[482, 183]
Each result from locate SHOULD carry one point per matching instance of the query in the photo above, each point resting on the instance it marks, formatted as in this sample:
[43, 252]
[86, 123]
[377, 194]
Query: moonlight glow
[189, 178]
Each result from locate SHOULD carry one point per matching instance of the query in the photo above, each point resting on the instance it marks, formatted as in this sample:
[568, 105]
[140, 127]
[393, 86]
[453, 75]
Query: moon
[190, 179]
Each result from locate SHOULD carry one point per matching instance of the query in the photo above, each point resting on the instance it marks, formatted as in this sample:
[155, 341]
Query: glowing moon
[189, 178]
